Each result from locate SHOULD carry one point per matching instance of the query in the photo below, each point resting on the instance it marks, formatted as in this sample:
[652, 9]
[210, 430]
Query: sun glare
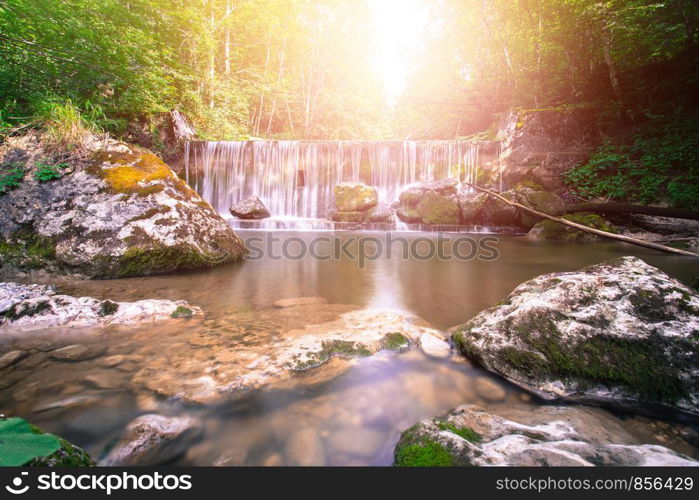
[399, 26]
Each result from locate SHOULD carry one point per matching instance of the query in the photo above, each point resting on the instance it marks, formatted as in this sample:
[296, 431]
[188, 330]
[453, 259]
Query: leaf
[19, 443]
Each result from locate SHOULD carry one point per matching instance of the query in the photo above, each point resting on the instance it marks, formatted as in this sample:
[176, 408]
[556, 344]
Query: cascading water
[296, 178]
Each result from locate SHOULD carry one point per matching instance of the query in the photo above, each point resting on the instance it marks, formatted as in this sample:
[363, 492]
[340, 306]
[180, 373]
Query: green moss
[182, 312]
[139, 261]
[131, 173]
[423, 455]
[637, 365]
[108, 308]
[465, 432]
[395, 342]
[330, 349]
[417, 449]
[464, 344]
[25, 249]
[17, 311]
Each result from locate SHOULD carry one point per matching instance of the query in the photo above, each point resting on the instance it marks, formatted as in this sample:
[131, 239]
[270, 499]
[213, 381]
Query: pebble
[434, 347]
[489, 390]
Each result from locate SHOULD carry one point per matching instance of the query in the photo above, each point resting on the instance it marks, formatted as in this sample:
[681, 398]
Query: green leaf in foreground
[19, 443]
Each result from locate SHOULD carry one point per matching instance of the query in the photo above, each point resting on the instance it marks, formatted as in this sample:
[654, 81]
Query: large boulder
[31, 307]
[547, 436]
[621, 332]
[118, 212]
[354, 197]
[433, 202]
[543, 144]
[480, 208]
[250, 208]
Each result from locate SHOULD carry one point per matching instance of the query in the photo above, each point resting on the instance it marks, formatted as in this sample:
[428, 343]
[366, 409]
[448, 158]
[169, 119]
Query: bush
[660, 164]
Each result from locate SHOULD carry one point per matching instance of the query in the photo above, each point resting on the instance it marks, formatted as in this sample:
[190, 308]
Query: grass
[64, 126]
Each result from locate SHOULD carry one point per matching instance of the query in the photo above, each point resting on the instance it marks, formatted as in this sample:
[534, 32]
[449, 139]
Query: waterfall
[296, 178]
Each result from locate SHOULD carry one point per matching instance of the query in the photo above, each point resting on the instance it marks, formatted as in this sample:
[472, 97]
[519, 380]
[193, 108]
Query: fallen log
[622, 208]
[598, 232]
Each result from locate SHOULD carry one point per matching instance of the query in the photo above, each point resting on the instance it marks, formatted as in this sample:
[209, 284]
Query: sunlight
[400, 26]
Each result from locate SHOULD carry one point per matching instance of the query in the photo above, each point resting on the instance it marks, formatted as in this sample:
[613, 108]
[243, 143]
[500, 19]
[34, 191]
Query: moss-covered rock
[119, 212]
[553, 231]
[355, 197]
[621, 332]
[434, 202]
[439, 209]
[548, 436]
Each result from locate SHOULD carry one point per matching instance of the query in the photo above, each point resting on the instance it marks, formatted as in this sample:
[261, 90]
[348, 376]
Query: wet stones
[153, 440]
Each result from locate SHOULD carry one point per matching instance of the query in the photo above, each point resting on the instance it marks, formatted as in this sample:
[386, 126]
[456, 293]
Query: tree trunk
[621, 208]
[598, 232]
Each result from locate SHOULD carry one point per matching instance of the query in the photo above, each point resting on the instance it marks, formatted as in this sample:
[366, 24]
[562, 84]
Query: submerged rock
[279, 347]
[547, 436]
[120, 212]
[434, 347]
[153, 440]
[250, 208]
[620, 332]
[31, 307]
[299, 301]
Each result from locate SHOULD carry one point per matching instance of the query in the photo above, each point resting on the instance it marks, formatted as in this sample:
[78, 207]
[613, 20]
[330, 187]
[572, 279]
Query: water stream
[352, 419]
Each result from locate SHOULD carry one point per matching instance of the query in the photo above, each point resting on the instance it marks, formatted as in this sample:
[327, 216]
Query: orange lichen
[131, 172]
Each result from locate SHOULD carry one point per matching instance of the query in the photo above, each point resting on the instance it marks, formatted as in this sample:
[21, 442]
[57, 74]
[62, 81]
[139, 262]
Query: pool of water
[354, 418]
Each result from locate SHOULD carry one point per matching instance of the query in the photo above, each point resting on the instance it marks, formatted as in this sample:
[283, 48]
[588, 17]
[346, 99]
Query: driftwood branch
[622, 208]
[598, 232]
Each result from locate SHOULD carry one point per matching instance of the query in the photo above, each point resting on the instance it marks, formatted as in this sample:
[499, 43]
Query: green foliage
[11, 175]
[45, 172]
[20, 443]
[661, 163]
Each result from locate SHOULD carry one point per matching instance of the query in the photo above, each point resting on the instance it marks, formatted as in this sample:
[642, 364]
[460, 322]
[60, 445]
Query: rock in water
[31, 307]
[547, 436]
[434, 347]
[620, 332]
[433, 202]
[250, 208]
[153, 440]
[120, 212]
[355, 197]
